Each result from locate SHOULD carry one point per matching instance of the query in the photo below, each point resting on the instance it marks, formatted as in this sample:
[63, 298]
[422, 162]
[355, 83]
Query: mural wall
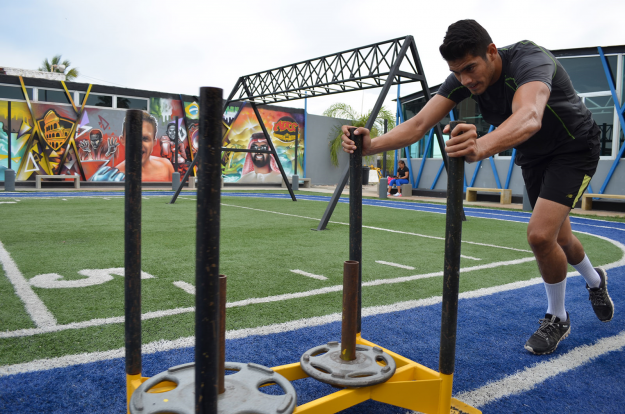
[56, 139]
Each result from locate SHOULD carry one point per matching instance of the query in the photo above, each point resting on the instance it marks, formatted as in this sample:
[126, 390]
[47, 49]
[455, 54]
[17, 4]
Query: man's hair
[95, 132]
[402, 162]
[145, 117]
[465, 37]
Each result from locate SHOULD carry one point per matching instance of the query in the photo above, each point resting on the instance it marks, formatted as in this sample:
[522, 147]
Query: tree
[341, 110]
[54, 66]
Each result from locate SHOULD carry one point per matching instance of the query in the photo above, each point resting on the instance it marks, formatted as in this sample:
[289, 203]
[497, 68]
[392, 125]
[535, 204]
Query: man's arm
[528, 107]
[404, 134]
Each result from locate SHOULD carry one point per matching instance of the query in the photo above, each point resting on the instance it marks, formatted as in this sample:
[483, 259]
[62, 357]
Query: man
[94, 150]
[524, 91]
[259, 167]
[152, 168]
[168, 144]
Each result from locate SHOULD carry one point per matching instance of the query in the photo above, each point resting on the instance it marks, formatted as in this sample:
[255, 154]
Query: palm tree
[55, 65]
[341, 110]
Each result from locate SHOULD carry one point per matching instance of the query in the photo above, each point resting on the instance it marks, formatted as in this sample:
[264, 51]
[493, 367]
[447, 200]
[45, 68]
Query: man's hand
[463, 142]
[84, 145]
[112, 146]
[348, 144]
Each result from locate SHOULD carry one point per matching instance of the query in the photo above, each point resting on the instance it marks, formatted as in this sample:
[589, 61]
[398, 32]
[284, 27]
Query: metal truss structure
[356, 69]
[378, 65]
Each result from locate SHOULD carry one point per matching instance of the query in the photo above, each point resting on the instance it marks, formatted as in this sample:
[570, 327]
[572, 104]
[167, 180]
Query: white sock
[588, 272]
[555, 299]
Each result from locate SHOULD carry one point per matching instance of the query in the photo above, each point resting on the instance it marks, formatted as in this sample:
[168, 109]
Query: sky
[178, 46]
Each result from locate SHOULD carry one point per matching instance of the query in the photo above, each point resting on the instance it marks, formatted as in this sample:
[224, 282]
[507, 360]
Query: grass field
[263, 241]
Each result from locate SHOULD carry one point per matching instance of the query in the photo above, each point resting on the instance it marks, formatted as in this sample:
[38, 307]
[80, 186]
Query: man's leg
[543, 235]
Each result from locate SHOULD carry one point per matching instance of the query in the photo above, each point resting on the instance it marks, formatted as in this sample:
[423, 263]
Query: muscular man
[94, 150]
[260, 167]
[168, 145]
[524, 91]
[152, 168]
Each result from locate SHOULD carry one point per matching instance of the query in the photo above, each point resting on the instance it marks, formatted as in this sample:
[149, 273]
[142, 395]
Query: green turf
[258, 250]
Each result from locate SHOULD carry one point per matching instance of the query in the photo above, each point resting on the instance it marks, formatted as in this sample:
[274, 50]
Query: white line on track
[165, 345]
[35, 307]
[301, 272]
[401, 266]
[381, 229]
[187, 287]
[246, 302]
[530, 377]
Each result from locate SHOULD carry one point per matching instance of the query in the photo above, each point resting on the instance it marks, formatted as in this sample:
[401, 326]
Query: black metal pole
[132, 246]
[222, 333]
[9, 127]
[372, 117]
[207, 252]
[296, 139]
[349, 325]
[384, 153]
[355, 212]
[176, 149]
[451, 272]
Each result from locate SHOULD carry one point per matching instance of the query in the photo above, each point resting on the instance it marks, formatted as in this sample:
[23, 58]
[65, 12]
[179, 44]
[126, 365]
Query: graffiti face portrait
[96, 138]
[147, 141]
[171, 132]
[258, 158]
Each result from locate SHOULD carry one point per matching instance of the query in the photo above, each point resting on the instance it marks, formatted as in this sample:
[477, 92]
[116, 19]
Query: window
[590, 83]
[14, 92]
[132, 103]
[51, 95]
[97, 100]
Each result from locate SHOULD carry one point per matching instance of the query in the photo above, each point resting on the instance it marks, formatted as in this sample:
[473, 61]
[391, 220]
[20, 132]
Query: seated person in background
[400, 178]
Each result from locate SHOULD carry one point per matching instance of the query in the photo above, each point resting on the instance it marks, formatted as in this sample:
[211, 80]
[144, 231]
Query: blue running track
[491, 332]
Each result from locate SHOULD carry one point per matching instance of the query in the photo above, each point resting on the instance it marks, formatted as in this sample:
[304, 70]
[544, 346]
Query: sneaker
[600, 300]
[546, 339]
[397, 194]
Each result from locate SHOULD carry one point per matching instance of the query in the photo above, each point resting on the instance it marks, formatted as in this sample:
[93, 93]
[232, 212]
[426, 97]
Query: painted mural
[244, 131]
[56, 139]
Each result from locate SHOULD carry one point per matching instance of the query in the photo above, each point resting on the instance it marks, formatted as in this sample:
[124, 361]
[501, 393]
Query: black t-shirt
[567, 125]
[401, 173]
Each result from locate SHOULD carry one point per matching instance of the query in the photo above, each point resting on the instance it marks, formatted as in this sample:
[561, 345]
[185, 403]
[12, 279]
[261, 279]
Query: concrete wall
[319, 168]
[486, 177]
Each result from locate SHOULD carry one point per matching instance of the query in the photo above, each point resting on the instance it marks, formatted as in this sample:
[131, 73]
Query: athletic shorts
[562, 178]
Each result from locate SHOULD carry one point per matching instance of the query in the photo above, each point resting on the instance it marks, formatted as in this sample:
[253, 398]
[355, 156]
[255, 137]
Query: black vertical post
[384, 153]
[451, 272]
[176, 145]
[132, 247]
[355, 212]
[296, 139]
[207, 252]
[9, 127]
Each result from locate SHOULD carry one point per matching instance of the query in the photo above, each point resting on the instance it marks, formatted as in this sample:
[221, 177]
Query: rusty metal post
[451, 272]
[207, 252]
[355, 214]
[350, 307]
[222, 333]
[132, 241]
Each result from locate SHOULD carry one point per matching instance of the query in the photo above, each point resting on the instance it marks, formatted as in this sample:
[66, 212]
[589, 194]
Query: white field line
[401, 266]
[530, 377]
[165, 345]
[187, 287]
[382, 229]
[469, 257]
[8, 202]
[38, 312]
[288, 296]
[301, 272]
[162, 345]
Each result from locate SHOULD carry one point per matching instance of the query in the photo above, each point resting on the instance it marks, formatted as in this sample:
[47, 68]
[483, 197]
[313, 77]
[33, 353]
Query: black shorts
[561, 178]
